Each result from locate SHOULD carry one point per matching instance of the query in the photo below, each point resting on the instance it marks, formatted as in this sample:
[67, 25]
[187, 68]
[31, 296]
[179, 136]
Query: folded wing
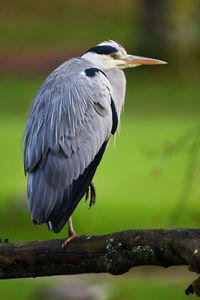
[70, 122]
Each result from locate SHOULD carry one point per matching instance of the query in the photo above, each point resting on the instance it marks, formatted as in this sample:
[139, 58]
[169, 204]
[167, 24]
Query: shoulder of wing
[63, 106]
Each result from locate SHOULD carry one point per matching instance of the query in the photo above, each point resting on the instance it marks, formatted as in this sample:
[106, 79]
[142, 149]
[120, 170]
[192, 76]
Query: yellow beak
[132, 60]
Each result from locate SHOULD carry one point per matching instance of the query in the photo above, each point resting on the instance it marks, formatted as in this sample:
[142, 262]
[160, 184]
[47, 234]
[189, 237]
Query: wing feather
[70, 119]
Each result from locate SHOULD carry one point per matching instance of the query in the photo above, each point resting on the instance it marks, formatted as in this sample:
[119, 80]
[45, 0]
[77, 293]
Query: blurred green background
[149, 176]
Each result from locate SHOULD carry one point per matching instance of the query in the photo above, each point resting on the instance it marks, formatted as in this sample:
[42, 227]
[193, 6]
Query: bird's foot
[71, 237]
[92, 190]
[71, 233]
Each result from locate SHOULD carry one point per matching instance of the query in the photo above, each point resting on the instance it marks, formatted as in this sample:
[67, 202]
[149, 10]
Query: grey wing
[69, 125]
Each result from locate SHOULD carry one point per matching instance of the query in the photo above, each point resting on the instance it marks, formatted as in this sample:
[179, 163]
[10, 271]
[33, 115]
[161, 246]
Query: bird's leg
[92, 194]
[71, 233]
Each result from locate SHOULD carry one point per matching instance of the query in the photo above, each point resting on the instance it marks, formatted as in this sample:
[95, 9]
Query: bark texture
[113, 253]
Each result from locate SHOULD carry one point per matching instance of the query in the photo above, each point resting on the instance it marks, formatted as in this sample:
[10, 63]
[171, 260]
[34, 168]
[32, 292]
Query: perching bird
[71, 120]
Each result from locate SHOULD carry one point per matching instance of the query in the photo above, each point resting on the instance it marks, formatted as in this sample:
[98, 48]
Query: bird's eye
[114, 56]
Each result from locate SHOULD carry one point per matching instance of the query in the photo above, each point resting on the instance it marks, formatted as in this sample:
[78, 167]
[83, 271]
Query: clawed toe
[74, 236]
[92, 191]
[93, 194]
[87, 195]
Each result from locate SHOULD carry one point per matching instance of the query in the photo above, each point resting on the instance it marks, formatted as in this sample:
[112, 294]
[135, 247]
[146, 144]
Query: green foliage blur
[147, 178]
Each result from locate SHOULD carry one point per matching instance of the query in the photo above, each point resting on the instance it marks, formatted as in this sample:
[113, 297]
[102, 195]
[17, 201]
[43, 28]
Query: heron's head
[109, 54]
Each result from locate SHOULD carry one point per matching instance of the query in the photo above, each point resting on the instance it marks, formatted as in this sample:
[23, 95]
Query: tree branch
[114, 253]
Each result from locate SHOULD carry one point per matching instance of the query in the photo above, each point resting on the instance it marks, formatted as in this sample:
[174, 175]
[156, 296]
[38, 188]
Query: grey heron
[70, 122]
